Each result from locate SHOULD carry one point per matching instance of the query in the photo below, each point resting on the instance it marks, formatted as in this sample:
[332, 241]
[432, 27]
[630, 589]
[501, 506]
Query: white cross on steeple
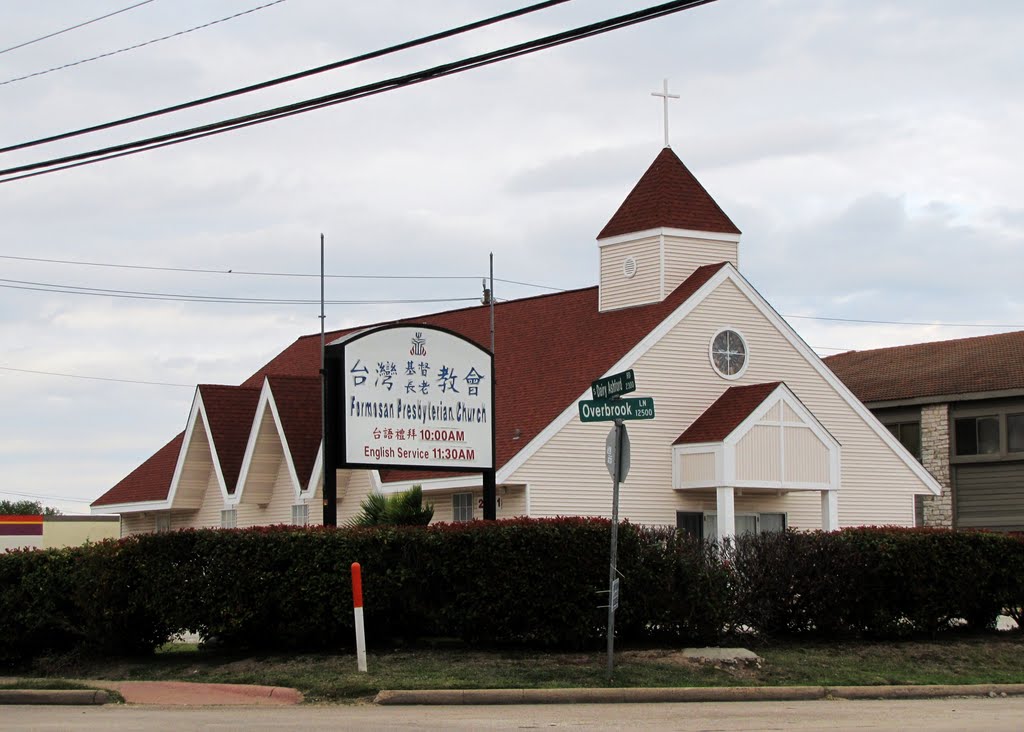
[665, 97]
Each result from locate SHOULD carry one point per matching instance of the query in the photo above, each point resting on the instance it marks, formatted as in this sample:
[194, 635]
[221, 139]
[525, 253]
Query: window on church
[462, 507]
[228, 518]
[300, 514]
[705, 525]
[163, 522]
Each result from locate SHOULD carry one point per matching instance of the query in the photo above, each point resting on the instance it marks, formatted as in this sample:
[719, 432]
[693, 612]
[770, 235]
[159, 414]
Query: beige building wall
[619, 291]
[279, 501]
[568, 476]
[208, 514]
[683, 255]
[138, 523]
[61, 531]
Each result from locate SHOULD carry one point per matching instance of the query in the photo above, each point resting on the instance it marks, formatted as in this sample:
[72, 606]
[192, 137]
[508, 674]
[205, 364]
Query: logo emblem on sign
[419, 345]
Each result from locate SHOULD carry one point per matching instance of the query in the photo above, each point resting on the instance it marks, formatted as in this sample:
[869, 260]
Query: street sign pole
[612, 570]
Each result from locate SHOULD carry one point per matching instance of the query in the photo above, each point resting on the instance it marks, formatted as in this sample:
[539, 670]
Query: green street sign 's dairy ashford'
[416, 396]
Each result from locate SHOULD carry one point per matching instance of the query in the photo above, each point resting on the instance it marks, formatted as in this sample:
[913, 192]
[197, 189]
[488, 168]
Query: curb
[449, 697]
[54, 696]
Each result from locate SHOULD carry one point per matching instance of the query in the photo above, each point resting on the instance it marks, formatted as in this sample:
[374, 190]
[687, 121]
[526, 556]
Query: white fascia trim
[140, 507]
[266, 402]
[663, 231]
[832, 380]
[213, 454]
[198, 411]
[292, 475]
[433, 485]
[318, 470]
[645, 344]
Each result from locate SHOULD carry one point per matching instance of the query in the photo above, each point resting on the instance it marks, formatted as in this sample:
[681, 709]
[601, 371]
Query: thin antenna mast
[323, 373]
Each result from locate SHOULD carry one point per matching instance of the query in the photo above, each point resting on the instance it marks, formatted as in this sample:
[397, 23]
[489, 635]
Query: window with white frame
[300, 514]
[163, 522]
[705, 525]
[462, 507]
[228, 518]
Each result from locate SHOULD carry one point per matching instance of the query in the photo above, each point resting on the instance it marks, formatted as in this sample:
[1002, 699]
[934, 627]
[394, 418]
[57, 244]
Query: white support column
[829, 510]
[726, 514]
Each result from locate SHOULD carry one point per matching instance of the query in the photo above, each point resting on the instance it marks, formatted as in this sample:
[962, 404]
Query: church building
[752, 433]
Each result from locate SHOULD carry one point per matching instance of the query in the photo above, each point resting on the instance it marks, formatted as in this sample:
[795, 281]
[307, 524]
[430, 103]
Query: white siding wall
[137, 523]
[759, 454]
[568, 476]
[208, 514]
[618, 291]
[278, 509]
[806, 457]
[683, 255]
[696, 466]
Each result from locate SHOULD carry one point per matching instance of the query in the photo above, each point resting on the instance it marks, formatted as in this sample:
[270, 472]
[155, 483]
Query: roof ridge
[497, 304]
[907, 346]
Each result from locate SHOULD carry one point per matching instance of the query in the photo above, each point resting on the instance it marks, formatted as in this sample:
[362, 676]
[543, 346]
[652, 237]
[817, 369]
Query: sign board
[614, 385]
[604, 410]
[414, 396]
[615, 594]
[609, 455]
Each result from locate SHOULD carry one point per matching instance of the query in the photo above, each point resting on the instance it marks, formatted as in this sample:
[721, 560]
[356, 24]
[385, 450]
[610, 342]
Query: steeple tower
[667, 227]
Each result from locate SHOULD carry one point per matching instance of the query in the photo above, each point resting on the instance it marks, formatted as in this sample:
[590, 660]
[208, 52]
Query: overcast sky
[869, 151]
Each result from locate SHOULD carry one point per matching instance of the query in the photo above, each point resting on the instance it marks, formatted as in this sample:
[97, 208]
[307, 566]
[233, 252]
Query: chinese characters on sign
[417, 396]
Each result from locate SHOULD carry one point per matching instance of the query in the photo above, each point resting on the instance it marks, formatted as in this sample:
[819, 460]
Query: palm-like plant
[398, 509]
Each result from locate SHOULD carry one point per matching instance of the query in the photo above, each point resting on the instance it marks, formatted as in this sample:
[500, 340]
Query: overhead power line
[182, 297]
[40, 495]
[293, 77]
[78, 25]
[907, 322]
[94, 378]
[199, 270]
[139, 45]
[466, 64]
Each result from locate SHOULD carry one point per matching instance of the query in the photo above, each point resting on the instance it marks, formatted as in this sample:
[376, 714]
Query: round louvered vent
[629, 267]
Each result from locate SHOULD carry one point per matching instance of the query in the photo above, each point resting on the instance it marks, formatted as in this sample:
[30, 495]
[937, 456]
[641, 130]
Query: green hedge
[524, 582]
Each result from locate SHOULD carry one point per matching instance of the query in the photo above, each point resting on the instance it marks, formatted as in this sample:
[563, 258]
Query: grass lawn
[991, 658]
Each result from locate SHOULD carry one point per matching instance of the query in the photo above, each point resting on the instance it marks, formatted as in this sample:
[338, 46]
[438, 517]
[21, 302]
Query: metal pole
[323, 376]
[612, 569]
[492, 302]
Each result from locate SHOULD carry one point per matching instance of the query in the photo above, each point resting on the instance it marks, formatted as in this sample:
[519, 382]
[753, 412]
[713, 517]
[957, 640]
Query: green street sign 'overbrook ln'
[605, 410]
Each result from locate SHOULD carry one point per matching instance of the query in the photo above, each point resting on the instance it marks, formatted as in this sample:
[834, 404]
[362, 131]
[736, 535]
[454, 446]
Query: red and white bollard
[357, 604]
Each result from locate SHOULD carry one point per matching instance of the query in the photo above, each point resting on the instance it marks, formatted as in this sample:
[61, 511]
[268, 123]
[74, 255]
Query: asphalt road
[934, 715]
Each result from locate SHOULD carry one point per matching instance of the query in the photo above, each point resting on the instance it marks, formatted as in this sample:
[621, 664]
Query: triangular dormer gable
[228, 412]
[759, 436]
[668, 226]
[285, 427]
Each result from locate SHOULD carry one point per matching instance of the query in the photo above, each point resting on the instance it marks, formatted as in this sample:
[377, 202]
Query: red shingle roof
[151, 481]
[298, 401]
[966, 365]
[547, 351]
[230, 411]
[668, 195]
[725, 415]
